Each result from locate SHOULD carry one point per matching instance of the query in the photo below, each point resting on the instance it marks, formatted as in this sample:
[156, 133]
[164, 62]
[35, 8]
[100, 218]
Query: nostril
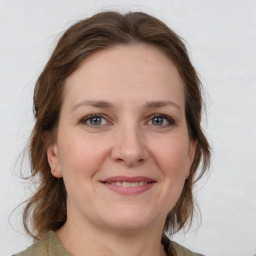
[129, 153]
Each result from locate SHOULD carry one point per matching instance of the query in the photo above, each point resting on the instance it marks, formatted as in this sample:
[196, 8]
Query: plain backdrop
[221, 40]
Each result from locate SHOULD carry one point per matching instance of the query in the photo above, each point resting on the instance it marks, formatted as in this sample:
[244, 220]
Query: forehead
[133, 72]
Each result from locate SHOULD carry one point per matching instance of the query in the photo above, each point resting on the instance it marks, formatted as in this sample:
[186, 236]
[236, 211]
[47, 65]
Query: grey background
[221, 39]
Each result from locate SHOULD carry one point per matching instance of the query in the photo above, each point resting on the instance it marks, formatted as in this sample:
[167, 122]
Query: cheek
[173, 162]
[173, 156]
[81, 156]
[80, 161]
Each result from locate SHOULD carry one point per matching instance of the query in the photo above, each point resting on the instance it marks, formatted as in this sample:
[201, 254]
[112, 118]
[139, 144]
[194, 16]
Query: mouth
[129, 185]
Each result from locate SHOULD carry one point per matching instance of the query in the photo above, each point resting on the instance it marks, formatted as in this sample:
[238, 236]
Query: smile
[129, 185]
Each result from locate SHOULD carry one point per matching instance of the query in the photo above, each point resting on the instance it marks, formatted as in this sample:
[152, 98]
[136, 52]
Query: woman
[117, 140]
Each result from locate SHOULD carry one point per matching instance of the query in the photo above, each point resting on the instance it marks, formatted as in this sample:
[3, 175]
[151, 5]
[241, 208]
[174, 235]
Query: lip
[111, 183]
[128, 179]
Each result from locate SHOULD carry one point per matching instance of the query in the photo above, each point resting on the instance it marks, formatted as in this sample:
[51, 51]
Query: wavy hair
[46, 209]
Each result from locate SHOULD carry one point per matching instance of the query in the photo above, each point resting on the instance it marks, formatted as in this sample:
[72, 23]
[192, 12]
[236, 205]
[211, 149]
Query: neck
[98, 241]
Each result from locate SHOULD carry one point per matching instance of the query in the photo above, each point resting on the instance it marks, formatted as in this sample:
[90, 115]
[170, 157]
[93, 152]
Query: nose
[129, 147]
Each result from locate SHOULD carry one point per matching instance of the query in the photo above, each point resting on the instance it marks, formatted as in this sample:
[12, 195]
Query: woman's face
[122, 145]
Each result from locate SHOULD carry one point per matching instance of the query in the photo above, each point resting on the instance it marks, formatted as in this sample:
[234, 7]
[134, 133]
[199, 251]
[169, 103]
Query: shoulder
[174, 249]
[49, 245]
[178, 250]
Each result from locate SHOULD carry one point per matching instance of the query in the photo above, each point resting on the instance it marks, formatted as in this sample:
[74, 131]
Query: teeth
[134, 184]
[126, 184]
[129, 184]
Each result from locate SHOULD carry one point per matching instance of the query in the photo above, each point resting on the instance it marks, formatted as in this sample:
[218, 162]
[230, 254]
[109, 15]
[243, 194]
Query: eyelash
[90, 117]
[170, 120]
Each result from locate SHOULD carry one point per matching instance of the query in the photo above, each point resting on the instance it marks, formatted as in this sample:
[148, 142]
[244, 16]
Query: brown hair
[46, 209]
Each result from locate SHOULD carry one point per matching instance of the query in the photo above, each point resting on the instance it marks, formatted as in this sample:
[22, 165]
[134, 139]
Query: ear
[191, 155]
[53, 160]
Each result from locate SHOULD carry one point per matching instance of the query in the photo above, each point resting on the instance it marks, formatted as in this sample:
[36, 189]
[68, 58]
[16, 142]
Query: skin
[127, 140]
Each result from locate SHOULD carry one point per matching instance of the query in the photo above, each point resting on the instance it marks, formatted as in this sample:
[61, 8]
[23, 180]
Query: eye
[161, 120]
[94, 120]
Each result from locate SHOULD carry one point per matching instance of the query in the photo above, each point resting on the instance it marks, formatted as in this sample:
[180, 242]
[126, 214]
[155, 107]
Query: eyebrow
[159, 104]
[108, 105]
[97, 104]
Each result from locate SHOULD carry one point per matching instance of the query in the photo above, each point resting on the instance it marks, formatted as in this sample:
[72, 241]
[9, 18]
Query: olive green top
[50, 245]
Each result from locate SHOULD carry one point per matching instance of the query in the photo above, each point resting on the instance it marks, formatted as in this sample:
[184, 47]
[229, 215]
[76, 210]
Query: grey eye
[161, 120]
[158, 121]
[95, 121]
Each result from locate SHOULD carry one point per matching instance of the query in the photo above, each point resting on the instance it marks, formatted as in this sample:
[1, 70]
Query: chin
[132, 220]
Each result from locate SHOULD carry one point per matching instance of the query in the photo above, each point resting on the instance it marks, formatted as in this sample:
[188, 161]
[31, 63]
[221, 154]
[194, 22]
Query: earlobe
[53, 160]
[191, 155]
